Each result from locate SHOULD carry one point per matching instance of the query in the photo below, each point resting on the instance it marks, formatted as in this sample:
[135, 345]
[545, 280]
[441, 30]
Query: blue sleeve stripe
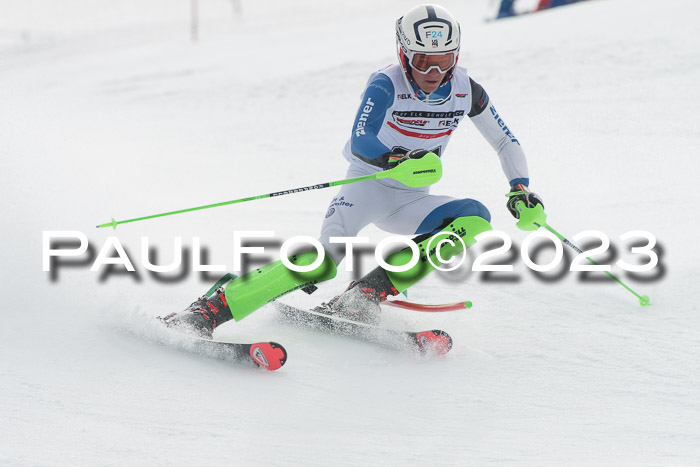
[376, 100]
[523, 181]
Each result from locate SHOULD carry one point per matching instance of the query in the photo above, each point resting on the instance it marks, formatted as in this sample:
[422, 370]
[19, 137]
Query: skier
[407, 110]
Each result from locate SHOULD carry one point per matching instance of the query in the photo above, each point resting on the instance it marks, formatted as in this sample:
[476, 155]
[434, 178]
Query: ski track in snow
[125, 117]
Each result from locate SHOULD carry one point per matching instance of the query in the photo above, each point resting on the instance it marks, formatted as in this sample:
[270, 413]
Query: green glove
[526, 206]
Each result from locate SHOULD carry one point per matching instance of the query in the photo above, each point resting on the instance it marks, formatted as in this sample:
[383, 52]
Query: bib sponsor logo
[420, 114]
[413, 122]
[427, 122]
[449, 123]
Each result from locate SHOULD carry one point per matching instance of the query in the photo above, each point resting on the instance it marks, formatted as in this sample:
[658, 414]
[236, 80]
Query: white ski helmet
[427, 37]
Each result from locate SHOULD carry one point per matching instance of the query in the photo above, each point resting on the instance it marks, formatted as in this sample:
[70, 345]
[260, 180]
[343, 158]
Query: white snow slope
[108, 110]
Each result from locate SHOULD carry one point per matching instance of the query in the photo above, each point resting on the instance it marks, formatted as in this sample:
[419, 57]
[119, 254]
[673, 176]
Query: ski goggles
[423, 63]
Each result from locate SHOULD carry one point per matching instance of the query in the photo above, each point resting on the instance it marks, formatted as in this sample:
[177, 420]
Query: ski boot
[360, 301]
[202, 316]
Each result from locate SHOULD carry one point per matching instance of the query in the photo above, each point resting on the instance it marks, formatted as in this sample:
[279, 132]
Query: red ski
[429, 308]
[433, 342]
[268, 355]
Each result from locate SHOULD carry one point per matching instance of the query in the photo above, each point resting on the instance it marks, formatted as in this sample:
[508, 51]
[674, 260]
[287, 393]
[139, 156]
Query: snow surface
[109, 110]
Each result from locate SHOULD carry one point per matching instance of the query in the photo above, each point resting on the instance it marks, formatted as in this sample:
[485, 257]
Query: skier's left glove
[395, 159]
[520, 192]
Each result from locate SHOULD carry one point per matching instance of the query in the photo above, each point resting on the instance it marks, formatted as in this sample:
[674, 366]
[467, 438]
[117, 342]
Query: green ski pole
[643, 299]
[537, 217]
[413, 173]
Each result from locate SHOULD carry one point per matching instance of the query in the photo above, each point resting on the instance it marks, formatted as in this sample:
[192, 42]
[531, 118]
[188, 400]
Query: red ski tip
[269, 355]
[436, 341]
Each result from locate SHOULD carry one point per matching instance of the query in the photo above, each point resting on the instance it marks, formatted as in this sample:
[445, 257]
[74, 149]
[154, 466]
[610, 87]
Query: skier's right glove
[395, 159]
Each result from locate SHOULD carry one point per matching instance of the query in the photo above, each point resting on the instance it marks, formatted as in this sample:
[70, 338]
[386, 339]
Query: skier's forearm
[504, 142]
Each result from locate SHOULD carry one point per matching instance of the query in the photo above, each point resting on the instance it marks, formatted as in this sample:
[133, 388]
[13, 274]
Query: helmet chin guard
[427, 30]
